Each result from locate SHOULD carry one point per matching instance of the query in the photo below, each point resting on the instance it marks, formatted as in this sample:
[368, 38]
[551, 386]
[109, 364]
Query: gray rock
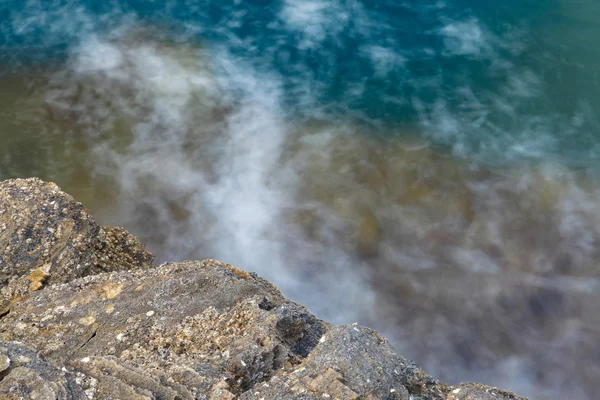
[159, 320]
[47, 237]
[475, 391]
[362, 357]
[350, 362]
[26, 375]
[4, 362]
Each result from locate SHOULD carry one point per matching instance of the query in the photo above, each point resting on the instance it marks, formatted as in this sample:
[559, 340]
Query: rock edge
[84, 314]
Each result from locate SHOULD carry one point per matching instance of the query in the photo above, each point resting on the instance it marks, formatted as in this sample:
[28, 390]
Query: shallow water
[427, 168]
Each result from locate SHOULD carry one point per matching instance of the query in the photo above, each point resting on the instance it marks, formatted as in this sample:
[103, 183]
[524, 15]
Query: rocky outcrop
[86, 316]
[46, 237]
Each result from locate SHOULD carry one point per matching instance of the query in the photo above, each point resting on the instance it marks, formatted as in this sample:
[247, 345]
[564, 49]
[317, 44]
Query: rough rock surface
[47, 237]
[87, 317]
[24, 374]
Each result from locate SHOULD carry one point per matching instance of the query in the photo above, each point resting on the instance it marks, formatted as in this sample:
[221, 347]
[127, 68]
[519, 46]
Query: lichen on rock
[47, 237]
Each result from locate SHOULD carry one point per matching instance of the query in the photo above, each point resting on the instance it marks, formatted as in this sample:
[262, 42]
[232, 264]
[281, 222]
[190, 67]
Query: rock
[178, 314]
[4, 362]
[118, 250]
[362, 356]
[353, 362]
[89, 319]
[475, 391]
[26, 375]
[47, 237]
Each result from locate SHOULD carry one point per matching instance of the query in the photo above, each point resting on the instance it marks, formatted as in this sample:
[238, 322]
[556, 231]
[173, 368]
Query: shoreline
[86, 315]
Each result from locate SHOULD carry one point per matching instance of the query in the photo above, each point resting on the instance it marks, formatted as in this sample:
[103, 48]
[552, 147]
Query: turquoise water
[427, 168]
[495, 81]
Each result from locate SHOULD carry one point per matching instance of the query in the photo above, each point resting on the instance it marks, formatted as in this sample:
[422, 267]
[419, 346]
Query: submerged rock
[86, 317]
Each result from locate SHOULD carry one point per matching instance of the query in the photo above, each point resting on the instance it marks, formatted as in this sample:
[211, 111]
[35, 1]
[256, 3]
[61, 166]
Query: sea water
[428, 168]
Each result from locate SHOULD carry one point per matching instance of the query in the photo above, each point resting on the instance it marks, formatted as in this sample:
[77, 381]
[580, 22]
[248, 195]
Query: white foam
[206, 172]
[384, 59]
[319, 20]
[224, 171]
[464, 38]
[314, 19]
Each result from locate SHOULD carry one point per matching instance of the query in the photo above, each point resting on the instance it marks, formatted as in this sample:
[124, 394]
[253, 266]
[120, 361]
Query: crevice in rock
[93, 335]
[301, 331]
[262, 368]
[266, 304]
[4, 313]
[4, 373]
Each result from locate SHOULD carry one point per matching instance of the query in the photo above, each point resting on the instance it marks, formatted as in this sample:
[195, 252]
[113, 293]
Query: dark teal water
[496, 81]
[428, 168]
